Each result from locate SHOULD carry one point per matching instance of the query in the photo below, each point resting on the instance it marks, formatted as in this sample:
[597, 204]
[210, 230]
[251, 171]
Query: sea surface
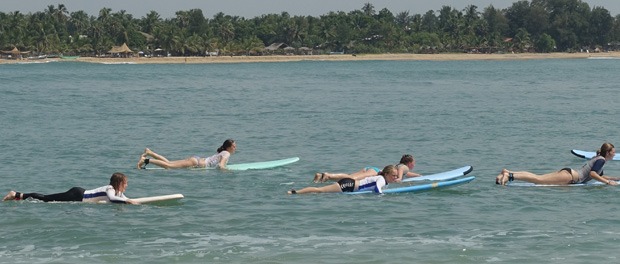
[65, 124]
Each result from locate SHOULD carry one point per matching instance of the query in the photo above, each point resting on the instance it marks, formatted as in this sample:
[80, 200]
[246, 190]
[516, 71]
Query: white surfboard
[160, 198]
[588, 154]
[442, 176]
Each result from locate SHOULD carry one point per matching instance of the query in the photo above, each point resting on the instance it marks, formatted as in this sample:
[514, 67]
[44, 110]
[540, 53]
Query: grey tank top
[584, 172]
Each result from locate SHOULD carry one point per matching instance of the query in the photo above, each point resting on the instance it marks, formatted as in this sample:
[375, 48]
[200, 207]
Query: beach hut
[289, 50]
[158, 52]
[273, 48]
[305, 50]
[14, 53]
[121, 51]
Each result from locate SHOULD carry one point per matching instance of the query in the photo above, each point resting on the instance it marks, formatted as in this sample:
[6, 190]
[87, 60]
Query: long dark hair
[225, 145]
[406, 159]
[116, 180]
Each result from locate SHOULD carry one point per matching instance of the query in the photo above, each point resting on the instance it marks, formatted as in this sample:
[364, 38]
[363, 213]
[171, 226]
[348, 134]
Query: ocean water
[68, 124]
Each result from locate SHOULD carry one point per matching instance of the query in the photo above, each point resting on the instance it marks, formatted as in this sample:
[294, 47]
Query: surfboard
[154, 199]
[262, 165]
[160, 198]
[245, 166]
[588, 154]
[422, 187]
[529, 184]
[442, 176]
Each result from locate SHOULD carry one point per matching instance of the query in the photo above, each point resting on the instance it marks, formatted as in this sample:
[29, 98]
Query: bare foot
[292, 191]
[500, 177]
[325, 177]
[9, 196]
[317, 177]
[505, 178]
[141, 161]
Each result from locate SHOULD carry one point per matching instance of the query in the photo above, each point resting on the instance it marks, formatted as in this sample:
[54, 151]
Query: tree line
[525, 26]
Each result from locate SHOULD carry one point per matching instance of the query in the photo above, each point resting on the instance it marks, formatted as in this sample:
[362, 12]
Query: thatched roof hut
[122, 50]
[14, 53]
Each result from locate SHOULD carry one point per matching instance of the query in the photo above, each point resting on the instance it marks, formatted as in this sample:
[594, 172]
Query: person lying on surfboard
[593, 169]
[389, 174]
[219, 160]
[404, 167]
[110, 193]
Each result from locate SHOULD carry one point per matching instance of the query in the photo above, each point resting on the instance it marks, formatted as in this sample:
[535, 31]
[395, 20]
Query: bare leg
[154, 155]
[556, 177]
[358, 175]
[162, 161]
[325, 189]
[186, 163]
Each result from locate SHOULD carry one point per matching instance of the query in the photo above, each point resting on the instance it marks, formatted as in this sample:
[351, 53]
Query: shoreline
[344, 57]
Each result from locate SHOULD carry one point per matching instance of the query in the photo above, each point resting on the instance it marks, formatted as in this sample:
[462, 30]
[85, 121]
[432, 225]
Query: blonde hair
[388, 169]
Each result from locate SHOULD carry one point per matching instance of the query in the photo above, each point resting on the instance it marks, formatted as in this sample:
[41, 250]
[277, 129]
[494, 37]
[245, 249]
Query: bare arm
[603, 179]
[413, 174]
[129, 201]
[223, 163]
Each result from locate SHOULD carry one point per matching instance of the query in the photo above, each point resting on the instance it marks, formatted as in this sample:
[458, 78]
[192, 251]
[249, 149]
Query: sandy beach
[345, 57]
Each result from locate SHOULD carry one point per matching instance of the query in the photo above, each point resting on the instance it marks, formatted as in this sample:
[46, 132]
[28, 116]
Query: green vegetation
[536, 26]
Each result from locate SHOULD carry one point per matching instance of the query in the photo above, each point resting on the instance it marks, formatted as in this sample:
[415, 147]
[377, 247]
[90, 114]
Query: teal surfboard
[262, 165]
[442, 176]
[588, 154]
[422, 187]
[245, 166]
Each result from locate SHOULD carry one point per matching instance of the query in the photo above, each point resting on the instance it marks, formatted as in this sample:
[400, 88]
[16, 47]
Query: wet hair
[117, 180]
[388, 169]
[227, 143]
[406, 159]
[605, 149]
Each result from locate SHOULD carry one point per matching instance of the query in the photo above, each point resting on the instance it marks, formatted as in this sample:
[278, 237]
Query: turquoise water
[73, 124]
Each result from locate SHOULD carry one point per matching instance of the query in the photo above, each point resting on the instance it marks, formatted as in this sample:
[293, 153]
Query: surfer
[109, 193]
[374, 183]
[404, 167]
[218, 160]
[593, 169]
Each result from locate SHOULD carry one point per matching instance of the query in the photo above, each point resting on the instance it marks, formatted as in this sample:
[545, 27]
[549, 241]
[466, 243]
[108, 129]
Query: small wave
[603, 58]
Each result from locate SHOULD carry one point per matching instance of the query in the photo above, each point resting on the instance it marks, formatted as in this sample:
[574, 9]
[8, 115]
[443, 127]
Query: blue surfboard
[422, 187]
[588, 154]
[442, 176]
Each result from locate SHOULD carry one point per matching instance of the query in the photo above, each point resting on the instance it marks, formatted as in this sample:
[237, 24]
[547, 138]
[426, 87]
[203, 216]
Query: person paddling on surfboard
[404, 167]
[374, 183]
[219, 160]
[593, 169]
[109, 193]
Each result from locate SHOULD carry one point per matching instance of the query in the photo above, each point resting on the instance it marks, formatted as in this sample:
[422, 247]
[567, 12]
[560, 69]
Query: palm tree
[150, 22]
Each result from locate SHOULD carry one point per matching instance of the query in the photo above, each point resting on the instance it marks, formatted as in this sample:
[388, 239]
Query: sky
[254, 8]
